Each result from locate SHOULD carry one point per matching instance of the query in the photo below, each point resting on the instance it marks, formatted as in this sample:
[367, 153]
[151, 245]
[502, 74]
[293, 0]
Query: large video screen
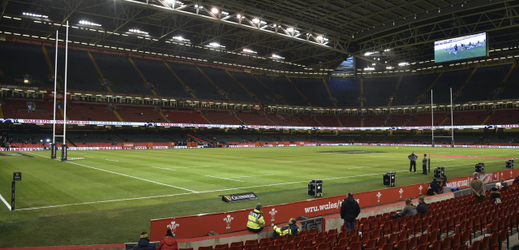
[461, 48]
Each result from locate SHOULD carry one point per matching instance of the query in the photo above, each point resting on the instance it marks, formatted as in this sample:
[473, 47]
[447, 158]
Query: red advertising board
[200, 225]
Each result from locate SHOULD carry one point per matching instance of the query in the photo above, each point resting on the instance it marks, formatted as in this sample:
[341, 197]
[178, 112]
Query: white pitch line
[125, 175]
[229, 179]
[137, 178]
[112, 160]
[199, 192]
[5, 202]
[168, 169]
[251, 176]
[172, 195]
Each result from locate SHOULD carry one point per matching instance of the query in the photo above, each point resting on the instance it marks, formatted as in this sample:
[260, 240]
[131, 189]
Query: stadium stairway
[465, 84]
[211, 81]
[298, 91]
[1, 111]
[118, 116]
[186, 88]
[142, 76]
[241, 85]
[163, 116]
[50, 65]
[430, 87]
[264, 85]
[396, 89]
[98, 71]
[330, 93]
[498, 90]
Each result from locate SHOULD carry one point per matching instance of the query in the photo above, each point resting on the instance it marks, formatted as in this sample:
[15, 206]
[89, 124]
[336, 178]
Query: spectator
[168, 242]
[504, 184]
[412, 157]
[256, 221]
[144, 243]
[495, 195]
[350, 209]
[516, 180]
[478, 189]
[290, 229]
[434, 187]
[408, 210]
[424, 164]
[422, 206]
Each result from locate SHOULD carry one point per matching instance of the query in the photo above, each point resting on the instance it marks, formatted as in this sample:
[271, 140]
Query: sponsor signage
[235, 221]
[17, 176]
[239, 197]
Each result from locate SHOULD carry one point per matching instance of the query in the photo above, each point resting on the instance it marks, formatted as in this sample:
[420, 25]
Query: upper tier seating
[284, 90]
[123, 77]
[224, 81]
[119, 71]
[161, 78]
[196, 81]
[82, 75]
[253, 85]
[379, 90]
[314, 90]
[24, 59]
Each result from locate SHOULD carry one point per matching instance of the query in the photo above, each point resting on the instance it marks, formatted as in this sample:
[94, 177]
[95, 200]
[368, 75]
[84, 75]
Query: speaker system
[315, 188]
[480, 167]
[510, 164]
[389, 179]
[439, 173]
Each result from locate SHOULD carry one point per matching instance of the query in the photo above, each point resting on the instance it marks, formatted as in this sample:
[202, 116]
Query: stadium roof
[282, 35]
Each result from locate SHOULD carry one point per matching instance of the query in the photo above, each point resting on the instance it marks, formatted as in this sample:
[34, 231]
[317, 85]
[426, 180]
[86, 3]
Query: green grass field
[110, 196]
[442, 56]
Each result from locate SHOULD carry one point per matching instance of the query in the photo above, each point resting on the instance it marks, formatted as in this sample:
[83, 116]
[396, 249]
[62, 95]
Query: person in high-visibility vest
[256, 221]
[290, 229]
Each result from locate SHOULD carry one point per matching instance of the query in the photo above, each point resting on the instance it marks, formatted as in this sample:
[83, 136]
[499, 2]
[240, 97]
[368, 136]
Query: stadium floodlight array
[137, 31]
[84, 22]
[34, 15]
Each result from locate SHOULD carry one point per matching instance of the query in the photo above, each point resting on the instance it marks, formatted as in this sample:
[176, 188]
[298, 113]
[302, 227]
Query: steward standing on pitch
[256, 221]
[412, 157]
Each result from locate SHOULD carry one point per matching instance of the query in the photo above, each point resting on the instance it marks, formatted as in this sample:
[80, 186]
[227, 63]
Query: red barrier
[233, 221]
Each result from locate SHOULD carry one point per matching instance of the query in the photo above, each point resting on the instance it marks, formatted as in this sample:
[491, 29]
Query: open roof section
[310, 35]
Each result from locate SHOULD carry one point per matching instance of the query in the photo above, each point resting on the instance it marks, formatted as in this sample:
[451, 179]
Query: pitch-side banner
[189, 125]
[235, 221]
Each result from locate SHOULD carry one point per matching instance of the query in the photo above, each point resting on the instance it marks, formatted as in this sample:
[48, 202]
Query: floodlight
[249, 51]
[256, 20]
[138, 31]
[290, 29]
[215, 11]
[238, 16]
[34, 15]
[319, 38]
[84, 22]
